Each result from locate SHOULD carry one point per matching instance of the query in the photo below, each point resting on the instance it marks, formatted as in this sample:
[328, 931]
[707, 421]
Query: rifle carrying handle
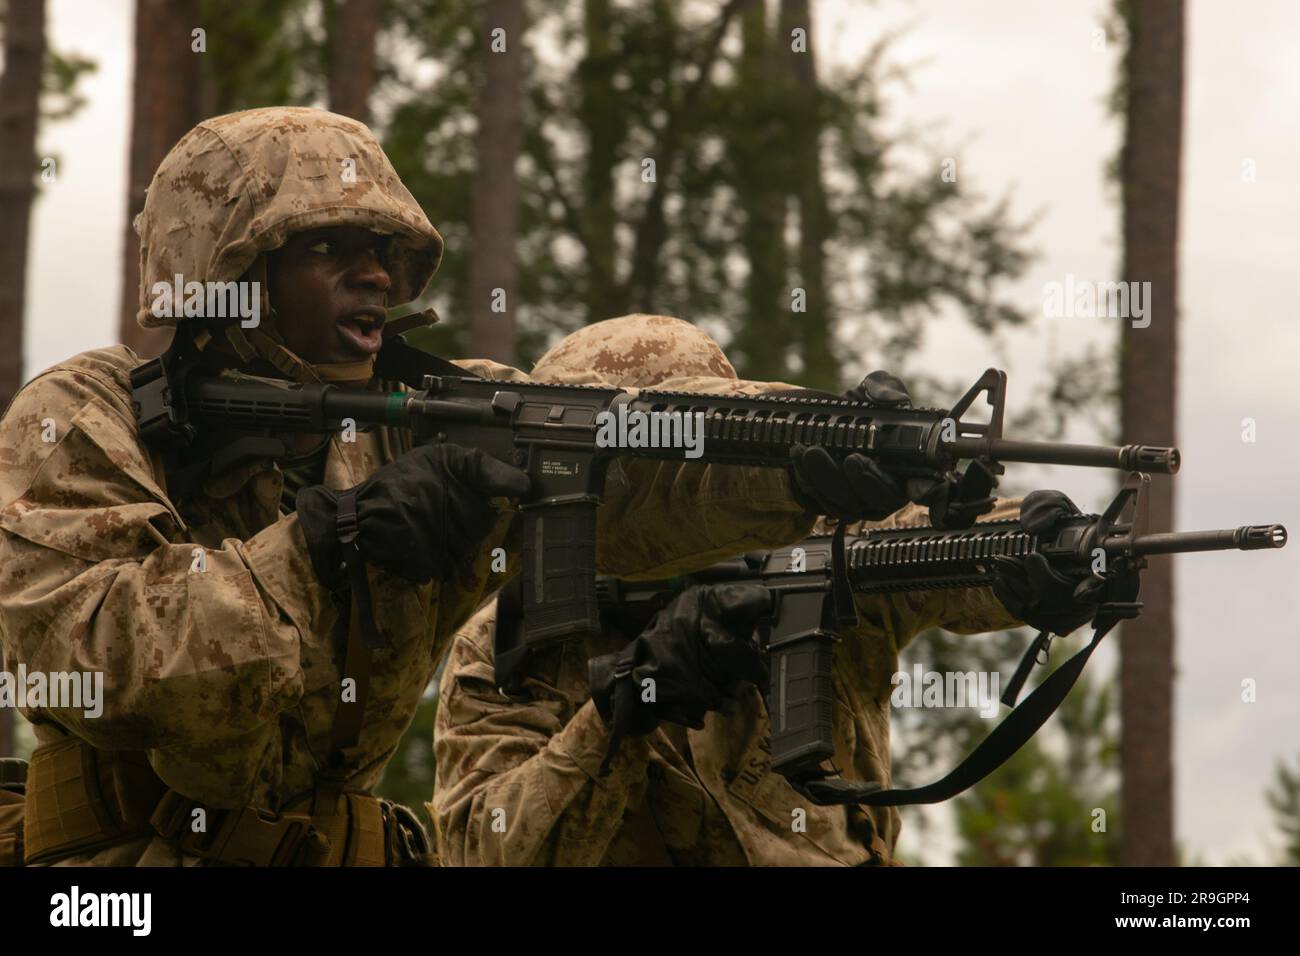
[801, 701]
[559, 572]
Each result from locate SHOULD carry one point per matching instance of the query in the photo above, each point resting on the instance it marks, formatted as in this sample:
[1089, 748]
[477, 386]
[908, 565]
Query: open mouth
[363, 333]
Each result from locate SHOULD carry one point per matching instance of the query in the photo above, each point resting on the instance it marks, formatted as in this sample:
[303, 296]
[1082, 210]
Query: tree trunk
[352, 57]
[495, 203]
[1151, 176]
[816, 324]
[761, 178]
[599, 114]
[20, 91]
[164, 106]
[20, 94]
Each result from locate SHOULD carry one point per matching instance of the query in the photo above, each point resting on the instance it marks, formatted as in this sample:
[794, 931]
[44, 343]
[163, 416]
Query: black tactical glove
[697, 651]
[958, 498]
[417, 517]
[858, 488]
[1047, 599]
[883, 389]
[850, 490]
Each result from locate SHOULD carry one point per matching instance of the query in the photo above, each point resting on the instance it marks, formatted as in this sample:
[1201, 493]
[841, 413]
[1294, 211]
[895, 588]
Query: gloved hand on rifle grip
[850, 490]
[695, 656]
[418, 517]
[1048, 599]
[858, 488]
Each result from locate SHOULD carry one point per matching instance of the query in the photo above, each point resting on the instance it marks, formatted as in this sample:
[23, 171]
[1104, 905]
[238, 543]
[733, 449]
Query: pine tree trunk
[1151, 177]
[598, 113]
[352, 57]
[758, 159]
[20, 91]
[495, 203]
[815, 326]
[164, 106]
[20, 88]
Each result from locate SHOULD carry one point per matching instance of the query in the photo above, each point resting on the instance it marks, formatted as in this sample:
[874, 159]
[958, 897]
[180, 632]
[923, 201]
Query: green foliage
[1029, 813]
[928, 739]
[430, 139]
[1284, 799]
[60, 97]
[1039, 808]
[408, 778]
[261, 54]
[901, 244]
[1119, 30]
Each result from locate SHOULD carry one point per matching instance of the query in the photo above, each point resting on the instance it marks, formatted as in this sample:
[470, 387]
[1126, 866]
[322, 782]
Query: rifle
[551, 432]
[804, 579]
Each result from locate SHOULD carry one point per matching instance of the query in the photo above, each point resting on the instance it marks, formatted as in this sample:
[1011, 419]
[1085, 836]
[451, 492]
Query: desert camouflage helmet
[237, 186]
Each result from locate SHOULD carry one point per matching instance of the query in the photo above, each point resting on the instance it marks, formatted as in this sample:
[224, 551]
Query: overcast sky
[1014, 90]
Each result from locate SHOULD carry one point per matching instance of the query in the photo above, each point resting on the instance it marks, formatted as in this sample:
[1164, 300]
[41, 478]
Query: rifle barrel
[1245, 538]
[1149, 459]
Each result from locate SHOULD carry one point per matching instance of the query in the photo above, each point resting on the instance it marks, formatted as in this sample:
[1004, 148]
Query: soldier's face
[329, 287]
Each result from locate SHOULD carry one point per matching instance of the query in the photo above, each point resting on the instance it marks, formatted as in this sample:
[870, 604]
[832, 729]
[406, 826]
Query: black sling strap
[362, 640]
[405, 363]
[994, 750]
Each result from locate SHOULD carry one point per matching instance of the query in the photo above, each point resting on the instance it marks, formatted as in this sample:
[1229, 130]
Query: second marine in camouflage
[520, 783]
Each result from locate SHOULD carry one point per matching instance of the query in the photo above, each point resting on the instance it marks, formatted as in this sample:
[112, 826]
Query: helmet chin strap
[266, 342]
[347, 373]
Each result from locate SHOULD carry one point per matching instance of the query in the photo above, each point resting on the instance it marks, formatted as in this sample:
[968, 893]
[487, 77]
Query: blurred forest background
[593, 158]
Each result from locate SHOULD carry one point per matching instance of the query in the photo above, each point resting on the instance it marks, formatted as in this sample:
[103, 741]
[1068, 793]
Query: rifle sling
[1037, 652]
[363, 639]
[993, 751]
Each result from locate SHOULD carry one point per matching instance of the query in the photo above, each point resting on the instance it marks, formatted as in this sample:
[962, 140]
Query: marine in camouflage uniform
[222, 678]
[519, 783]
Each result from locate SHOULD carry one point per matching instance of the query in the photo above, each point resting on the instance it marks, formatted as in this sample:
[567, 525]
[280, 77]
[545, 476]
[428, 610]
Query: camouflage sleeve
[96, 576]
[664, 518]
[518, 784]
[960, 610]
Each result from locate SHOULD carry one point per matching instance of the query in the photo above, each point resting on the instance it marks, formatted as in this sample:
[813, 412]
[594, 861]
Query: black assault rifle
[550, 431]
[807, 588]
